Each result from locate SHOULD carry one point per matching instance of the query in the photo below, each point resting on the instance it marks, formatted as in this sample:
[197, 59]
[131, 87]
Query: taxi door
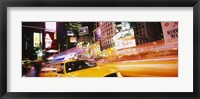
[60, 70]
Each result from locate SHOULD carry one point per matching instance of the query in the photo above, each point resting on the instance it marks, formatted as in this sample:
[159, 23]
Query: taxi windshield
[78, 65]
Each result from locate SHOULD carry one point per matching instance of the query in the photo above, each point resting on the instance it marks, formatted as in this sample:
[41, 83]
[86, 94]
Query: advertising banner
[170, 32]
[70, 33]
[97, 34]
[83, 31]
[50, 42]
[124, 39]
[37, 39]
[50, 27]
[73, 40]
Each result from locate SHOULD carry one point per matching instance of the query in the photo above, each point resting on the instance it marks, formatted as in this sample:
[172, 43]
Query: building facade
[107, 32]
[29, 39]
[147, 32]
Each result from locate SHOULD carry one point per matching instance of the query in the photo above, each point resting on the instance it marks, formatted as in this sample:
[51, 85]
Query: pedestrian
[38, 66]
[32, 72]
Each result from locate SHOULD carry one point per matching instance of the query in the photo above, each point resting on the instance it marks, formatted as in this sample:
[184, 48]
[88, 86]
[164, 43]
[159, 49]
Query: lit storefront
[84, 47]
[95, 50]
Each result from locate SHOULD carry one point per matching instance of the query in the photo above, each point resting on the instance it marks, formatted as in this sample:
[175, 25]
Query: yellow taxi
[80, 68]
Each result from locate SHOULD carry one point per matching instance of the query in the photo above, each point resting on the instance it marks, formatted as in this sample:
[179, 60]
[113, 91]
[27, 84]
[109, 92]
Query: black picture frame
[98, 3]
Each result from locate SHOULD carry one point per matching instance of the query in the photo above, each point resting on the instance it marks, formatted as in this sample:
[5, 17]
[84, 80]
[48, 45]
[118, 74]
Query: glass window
[60, 68]
[78, 65]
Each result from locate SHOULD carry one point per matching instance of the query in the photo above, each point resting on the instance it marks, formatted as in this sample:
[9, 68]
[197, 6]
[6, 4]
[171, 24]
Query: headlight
[119, 74]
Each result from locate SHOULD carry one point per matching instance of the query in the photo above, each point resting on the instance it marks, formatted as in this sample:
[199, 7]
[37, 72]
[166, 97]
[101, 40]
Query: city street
[100, 49]
[157, 67]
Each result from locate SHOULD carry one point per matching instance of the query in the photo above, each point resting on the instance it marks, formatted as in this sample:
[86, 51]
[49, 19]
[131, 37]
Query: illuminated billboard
[97, 34]
[37, 39]
[70, 33]
[95, 49]
[170, 32]
[124, 39]
[125, 25]
[73, 40]
[48, 41]
[83, 31]
[50, 27]
[103, 49]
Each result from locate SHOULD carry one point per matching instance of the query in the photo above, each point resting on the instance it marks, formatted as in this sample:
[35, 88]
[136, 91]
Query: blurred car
[48, 71]
[80, 68]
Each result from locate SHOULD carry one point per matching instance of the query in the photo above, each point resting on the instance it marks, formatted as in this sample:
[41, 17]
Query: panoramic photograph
[99, 49]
